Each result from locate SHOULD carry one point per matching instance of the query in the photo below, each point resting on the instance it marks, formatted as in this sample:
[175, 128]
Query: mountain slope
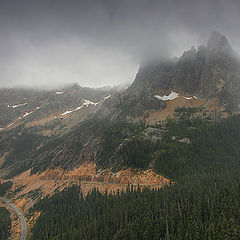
[21, 105]
[78, 125]
[210, 72]
[123, 140]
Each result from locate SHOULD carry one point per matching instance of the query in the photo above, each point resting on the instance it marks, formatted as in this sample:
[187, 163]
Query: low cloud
[97, 43]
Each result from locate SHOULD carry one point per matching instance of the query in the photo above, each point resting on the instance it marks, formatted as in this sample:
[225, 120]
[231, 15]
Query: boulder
[152, 134]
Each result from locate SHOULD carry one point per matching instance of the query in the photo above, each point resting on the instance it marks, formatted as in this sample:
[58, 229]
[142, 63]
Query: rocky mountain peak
[213, 71]
[218, 42]
[190, 53]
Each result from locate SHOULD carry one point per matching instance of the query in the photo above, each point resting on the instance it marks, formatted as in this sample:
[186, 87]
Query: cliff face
[212, 71]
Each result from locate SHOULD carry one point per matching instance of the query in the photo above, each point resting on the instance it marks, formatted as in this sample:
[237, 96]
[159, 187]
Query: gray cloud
[101, 42]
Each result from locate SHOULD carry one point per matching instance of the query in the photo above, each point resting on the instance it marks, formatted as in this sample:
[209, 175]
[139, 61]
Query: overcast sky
[101, 42]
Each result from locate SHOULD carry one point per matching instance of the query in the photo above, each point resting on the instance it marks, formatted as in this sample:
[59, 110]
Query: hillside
[164, 151]
[76, 125]
[30, 118]
[201, 204]
[35, 107]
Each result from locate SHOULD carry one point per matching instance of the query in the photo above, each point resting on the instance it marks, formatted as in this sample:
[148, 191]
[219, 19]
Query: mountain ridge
[98, 129]
[211, 71]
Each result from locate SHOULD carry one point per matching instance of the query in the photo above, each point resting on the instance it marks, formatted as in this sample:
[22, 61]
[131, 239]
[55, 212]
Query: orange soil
[86, 172]
[33, 219]
[41, 121]
[210, 105]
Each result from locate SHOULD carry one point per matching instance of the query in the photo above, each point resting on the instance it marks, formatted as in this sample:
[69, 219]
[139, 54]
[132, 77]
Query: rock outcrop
[152, 134]
[209, 72]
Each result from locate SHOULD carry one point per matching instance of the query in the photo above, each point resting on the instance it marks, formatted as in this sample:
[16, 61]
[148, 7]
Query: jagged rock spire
[219, 43]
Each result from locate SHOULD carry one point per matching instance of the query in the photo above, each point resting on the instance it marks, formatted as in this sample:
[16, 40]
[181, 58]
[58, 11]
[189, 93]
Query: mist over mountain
[208, 72]
[119, 120]
[206, 79]
[51, 43]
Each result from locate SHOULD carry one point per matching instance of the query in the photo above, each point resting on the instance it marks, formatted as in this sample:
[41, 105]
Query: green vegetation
[137, 153]
[205, 207]
[5, 223]
[112, 136]
[22, 141]
[204, 202]
[21, 148]
[33, 194]
[214, 143]
[214, 146]
[4, 187]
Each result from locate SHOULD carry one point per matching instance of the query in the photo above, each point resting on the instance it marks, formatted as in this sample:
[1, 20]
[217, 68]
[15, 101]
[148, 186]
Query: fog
[50, 43]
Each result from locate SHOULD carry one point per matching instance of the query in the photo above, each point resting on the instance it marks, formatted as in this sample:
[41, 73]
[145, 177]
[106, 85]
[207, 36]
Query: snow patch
[195, 97]
[28, 113]
[59, 92]
[188, 98]
[171, 96]
[10, 125]
[107, 97]
[18, 105]
[70, 111]
[85, 103]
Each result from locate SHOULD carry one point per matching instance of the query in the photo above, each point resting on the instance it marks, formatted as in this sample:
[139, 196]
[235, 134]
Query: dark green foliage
[205, 207]
[23, 146]
[5, 223]
[113, 135]
[137, 153]
[214, 146]
[203, 203]
[4, 187]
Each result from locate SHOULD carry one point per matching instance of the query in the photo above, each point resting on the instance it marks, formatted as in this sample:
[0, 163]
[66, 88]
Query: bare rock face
[218, 42]
[182, 140]
[149, 134]
[152, 134]
[185, 140]
[91, 150]
[209, 72]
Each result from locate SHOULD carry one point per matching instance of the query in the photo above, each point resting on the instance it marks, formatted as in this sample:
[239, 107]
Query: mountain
[65, 128]
[177, 127]
[31, 118]
[16, 104]
[211, 72]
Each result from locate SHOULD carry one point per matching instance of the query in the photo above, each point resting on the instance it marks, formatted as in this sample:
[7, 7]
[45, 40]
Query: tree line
[5, 223]
[203, 203]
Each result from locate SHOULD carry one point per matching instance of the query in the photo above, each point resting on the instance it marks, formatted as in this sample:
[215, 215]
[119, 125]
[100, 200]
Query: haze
[50, 43]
